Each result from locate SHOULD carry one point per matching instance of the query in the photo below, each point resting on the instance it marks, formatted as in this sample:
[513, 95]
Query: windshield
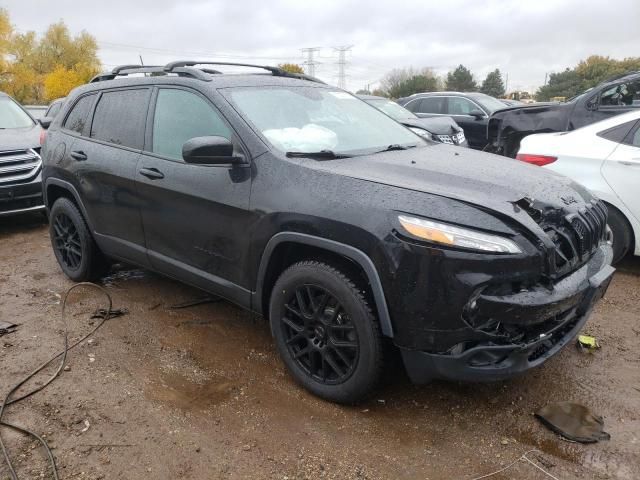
[392, 109]
[12, 116]
[490, 104]
[311, 119]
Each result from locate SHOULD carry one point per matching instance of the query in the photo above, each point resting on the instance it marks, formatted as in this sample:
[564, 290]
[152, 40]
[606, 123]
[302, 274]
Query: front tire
[622, 234]
[325, 332]
[74, 247]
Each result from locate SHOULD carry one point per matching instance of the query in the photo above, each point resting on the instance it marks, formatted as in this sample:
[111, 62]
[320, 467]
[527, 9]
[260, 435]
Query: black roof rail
[275, 71]
[124, 70]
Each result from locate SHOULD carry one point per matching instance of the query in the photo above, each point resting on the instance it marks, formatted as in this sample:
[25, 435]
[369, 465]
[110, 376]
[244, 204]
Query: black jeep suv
[345, 229]
[20, 165]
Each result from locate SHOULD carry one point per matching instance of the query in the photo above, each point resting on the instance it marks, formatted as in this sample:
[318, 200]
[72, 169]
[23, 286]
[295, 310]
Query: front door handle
[152, 173]
[78, 155]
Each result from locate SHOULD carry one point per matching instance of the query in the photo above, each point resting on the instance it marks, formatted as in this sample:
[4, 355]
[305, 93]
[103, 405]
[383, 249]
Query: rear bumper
[21, 197]
[555, 318]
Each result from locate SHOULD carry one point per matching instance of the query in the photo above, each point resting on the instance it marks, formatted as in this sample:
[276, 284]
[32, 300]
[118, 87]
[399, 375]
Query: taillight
[539, 160]
[43, 135]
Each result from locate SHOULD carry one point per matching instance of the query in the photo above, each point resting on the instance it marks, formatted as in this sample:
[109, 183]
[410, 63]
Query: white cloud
[524, 39]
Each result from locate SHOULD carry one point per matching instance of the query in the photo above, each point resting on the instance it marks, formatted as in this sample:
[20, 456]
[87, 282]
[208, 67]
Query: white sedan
[605, 158]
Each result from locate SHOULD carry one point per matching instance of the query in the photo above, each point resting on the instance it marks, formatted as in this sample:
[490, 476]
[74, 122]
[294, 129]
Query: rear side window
[120, 117]
[77, 119]
[181, 116]
[429, 105]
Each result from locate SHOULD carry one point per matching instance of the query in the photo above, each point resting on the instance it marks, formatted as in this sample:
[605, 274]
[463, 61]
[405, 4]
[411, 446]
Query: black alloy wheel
[66, 240]
[73, 245]
[320, 335]
[325, 331]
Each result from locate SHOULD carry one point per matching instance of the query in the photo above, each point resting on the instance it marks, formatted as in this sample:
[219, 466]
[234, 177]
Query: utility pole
[342, 63]
[310, 63]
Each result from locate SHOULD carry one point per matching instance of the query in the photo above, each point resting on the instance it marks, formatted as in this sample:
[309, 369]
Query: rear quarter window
[77, 118]
[120, 117]
[618, 133]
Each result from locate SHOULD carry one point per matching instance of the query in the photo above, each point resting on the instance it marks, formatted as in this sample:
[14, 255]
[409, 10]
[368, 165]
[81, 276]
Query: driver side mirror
[477, 114]
[45, 122]
[210, 150]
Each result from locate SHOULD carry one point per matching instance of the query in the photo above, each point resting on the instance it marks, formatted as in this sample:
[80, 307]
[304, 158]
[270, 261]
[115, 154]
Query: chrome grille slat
[18, 158]
[18, 165]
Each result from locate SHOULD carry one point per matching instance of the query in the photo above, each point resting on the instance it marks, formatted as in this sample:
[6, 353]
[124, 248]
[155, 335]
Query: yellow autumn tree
[38, 69]
[60, 82]
[291, 67]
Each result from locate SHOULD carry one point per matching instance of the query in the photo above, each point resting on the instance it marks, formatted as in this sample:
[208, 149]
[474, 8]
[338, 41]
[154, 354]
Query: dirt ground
[200, 393]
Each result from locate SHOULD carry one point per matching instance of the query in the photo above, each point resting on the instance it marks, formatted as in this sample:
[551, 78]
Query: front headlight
[456, 236]
[424, 133]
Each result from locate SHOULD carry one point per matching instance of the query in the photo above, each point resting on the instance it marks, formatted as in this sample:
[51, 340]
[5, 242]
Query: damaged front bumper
[538, 322]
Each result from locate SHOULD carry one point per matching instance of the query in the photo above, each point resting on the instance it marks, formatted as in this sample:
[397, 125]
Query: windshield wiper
[321, 155]
[395, 146]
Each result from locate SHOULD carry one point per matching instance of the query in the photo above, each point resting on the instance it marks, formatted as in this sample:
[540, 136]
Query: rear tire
[326, 333]
[622, 234]
[73, 245]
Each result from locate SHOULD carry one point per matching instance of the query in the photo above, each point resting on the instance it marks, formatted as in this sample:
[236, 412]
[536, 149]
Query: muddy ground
[200, 393]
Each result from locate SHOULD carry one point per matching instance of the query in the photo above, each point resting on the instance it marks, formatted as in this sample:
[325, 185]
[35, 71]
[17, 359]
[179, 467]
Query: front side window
[623, 94]
[311, 119]
[489, 103]
[181, 116]
[120, 117]
[392, 109]
[78, 116]
[460, 106]
[12, 116]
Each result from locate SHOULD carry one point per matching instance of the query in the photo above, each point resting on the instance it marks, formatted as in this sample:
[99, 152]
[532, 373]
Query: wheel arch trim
[352, 253]
[72, 190]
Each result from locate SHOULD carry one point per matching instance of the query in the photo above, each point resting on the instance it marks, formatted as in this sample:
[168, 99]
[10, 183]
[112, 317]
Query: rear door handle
[152, 173]
[79, 155]
[630, 163]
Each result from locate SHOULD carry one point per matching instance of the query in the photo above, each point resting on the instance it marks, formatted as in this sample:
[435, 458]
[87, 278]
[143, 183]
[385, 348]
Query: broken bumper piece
[546, 323]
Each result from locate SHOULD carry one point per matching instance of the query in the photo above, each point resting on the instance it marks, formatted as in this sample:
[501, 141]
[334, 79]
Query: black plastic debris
[573, 421]
[6, 328]
[197, 301]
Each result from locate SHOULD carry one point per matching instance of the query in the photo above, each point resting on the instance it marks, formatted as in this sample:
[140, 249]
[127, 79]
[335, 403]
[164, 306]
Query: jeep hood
[20, 138]
[481, 179]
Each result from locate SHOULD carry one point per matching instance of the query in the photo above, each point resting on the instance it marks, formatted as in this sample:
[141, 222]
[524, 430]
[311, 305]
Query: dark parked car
[54, 108]
[470, 110]
[613, 97]
[438, 129]
[346, 230]
[20, 165]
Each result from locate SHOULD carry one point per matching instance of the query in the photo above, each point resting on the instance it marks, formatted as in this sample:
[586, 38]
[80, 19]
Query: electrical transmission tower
[310, 63]
[342, 63]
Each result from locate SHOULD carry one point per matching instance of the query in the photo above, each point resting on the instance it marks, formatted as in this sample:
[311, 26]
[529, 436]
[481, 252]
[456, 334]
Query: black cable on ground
[104, 315]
